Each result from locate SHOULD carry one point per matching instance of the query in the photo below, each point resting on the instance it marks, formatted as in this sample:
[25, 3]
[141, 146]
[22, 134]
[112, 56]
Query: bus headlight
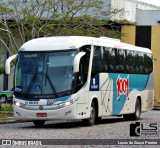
[70, 101]
[67, 103]
[18, 104]
[74, 99]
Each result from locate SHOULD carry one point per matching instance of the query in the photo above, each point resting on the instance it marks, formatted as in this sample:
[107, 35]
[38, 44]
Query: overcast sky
[154, 2]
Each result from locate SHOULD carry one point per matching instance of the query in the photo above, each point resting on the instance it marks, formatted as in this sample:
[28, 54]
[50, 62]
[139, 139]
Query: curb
[9, 120]
[12, 121]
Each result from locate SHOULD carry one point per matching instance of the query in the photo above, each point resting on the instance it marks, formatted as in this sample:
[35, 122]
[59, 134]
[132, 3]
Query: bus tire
[136, 114]
[39, 123]
[91, 121]
[98, 120]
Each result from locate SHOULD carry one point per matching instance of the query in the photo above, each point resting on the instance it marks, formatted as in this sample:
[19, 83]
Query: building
[146, 33]
[148, 18]
[130, 8]
[141, 35]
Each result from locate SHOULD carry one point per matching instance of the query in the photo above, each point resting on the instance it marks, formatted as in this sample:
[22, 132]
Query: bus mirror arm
[8, 63]
[77, 61]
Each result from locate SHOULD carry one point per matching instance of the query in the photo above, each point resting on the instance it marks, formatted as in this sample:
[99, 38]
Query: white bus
[75, 77]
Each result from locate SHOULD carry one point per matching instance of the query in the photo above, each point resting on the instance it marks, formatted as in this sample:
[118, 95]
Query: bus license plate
[41, 114]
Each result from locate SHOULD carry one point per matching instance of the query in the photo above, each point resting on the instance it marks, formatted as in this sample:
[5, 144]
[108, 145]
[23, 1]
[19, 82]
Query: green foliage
[2, 70]
[8, 108]
[124, 21]
[24, 20]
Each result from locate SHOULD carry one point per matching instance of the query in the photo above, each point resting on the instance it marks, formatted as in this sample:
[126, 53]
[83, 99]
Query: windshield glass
[44, 73]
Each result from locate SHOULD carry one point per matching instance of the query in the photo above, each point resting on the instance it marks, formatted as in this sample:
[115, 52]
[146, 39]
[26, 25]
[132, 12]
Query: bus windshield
[44, 73]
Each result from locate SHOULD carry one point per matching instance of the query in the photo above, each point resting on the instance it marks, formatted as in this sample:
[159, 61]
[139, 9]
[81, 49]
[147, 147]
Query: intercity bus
[75, 77]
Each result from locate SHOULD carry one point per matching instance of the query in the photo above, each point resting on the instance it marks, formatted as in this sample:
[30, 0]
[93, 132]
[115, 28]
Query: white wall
[146, 6]
[148, 18]
[130, 7]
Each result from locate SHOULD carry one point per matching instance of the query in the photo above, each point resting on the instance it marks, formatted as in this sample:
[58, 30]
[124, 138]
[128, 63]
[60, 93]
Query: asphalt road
[109, 128]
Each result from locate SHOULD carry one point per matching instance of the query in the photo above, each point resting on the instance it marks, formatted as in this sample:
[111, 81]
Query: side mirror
[77, 61]
[8, 63]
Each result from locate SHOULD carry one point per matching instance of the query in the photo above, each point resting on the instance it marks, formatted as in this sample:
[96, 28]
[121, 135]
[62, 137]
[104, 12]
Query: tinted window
[139, 61]
[109, 63]
[112, 60]
[148, 64]
[84, 64]
[130, 61]
[97, 61]
[120, 61]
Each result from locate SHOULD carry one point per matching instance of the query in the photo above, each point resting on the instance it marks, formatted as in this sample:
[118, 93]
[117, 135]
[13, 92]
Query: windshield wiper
[51, 84]
[33, 79]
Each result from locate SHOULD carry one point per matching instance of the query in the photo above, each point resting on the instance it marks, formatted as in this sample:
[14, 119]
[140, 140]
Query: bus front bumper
[67, 112]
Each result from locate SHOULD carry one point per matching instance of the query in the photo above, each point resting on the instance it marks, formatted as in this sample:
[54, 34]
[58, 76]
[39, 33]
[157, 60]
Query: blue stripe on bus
[136, 81]
[63, 99]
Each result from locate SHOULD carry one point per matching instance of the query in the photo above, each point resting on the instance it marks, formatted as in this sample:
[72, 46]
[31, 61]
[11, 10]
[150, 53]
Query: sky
[154, 2]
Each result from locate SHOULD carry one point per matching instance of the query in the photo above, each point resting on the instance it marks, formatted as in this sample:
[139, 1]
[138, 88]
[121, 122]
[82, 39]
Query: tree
[22, 20]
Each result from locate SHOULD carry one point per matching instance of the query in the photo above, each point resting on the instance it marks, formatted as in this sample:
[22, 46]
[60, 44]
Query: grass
[8, 108]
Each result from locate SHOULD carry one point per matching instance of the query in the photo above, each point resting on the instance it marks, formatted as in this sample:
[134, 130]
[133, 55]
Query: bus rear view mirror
[77, 61]
[8, 63]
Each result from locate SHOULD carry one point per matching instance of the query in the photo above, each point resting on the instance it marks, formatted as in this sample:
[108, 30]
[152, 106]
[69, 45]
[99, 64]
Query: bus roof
[74, 42]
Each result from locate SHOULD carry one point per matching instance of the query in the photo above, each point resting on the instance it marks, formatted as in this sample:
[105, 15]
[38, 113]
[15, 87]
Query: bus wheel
[39, 123]
[136, 114]
[91, 121]
[98, 120]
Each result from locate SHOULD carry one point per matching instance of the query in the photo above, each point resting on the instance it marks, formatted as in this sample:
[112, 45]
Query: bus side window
[140, 62]
[120, 60]
[148, 63]
[130, 62]
[84, 64]
[97, 61]
[108, 59]
[137, 63]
